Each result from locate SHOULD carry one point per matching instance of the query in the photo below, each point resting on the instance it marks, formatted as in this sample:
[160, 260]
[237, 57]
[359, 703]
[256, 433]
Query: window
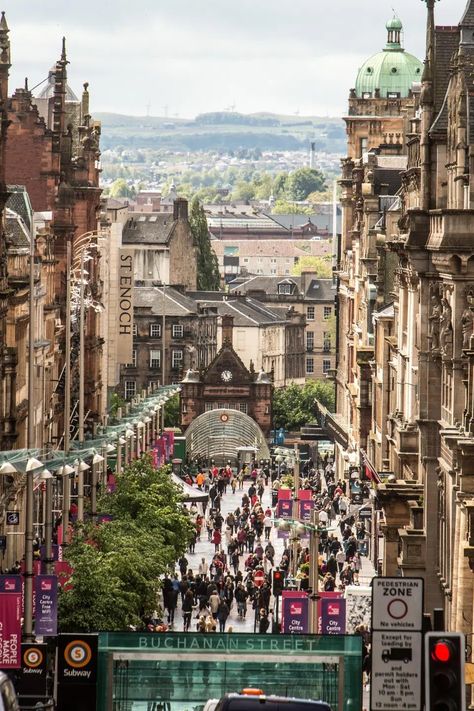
[130, 389]
[243, 407]
[310, 313]
[134, 330]
[184, 408]
[177, 330]
[155, 359]
[327, 312]
[273, 261]
[245, 260]
[284, 288]
[133, 362]
[310, 366]
[364, 143]
[326, 341]
[155, 330]
[309, 341]
[176, 359]
[326, 366]
[273, 271]
[209, 406]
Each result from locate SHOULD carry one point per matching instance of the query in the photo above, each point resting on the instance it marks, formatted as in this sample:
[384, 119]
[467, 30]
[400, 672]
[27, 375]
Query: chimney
[180, 209]
[227, 328]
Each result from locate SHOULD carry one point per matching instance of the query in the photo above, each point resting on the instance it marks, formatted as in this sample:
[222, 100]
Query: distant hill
[223, 131]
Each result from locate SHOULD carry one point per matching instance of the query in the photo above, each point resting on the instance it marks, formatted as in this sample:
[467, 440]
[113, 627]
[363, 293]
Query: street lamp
[81, 467]
[32, 465]
[96, 459]
[64, 472]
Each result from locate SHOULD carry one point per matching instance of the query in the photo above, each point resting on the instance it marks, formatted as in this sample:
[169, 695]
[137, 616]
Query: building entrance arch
[218, 434]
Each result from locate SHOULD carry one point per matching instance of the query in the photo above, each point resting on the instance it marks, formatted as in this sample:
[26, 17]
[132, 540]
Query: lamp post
[96, 459]
[48, 478]
[32, 465]
[64, 473]
[81, 467]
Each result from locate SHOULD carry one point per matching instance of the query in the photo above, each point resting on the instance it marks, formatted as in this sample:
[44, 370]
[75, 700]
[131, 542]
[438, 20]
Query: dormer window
[285, 287]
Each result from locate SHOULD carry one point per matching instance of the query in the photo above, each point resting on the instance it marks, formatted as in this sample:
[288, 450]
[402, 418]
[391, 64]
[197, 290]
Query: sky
[185, 57]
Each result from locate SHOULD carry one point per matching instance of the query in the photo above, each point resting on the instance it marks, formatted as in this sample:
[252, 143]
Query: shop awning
[190, 494]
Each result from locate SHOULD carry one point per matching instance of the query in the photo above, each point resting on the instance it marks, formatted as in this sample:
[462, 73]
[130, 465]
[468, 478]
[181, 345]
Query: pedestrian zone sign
[397, 622]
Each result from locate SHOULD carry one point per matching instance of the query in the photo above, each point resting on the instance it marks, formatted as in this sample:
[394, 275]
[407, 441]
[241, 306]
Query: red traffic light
[442, 651]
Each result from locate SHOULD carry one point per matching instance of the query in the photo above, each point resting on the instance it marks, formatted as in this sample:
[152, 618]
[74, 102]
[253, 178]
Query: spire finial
[63, 52]
[3, 22]
[26, 84]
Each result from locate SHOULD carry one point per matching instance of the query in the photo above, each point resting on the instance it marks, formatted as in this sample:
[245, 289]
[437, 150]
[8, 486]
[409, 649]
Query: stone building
[190, 339]
[269, 339]
[227, 384]
[411, 363]
[53, 152]
[164, 246]
[314, 300]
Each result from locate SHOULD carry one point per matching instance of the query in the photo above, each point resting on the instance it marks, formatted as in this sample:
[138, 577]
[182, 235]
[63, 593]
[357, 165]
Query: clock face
[226, 376]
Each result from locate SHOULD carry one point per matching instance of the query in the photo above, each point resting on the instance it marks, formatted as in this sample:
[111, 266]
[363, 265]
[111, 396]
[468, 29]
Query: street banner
[326, 595]
[63, 571]
[305, 494]
[295, 612]
[46, 619]
[284, 494]
[285, 508]
[56, 552]
[10, 621]
[306, 510]
[333, 615]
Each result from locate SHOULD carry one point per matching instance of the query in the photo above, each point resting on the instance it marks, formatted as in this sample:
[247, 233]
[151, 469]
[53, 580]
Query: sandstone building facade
[405, 375]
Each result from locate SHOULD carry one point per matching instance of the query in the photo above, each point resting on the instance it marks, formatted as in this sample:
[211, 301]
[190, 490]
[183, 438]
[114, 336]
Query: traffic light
[444, 671]
[277, 582]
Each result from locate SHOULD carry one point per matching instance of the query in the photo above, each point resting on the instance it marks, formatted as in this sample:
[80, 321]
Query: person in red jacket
[216, 539]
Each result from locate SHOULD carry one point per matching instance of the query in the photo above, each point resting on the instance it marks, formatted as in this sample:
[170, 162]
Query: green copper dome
[392, 71]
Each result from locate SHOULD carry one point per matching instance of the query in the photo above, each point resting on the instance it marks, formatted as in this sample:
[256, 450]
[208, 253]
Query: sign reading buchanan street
[125, 306]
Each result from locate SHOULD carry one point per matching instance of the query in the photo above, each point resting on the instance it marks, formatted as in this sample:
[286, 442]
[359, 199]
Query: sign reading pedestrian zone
[397, 604]
[397, 619]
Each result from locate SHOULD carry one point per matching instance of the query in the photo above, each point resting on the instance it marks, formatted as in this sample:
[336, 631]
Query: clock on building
[226, 376]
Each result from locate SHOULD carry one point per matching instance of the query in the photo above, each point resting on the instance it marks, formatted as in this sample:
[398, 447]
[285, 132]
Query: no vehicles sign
[397, 619]
[397, 604]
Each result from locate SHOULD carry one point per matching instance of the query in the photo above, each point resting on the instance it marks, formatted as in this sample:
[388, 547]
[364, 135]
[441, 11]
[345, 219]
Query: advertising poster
[10, 621]
[295, 611]
[306, 510]
[46, 619]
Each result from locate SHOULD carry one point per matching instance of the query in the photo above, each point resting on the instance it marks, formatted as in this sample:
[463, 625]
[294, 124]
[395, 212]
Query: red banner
[10, 622]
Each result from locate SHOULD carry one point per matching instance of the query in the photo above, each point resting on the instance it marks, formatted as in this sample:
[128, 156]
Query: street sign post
[397, 618]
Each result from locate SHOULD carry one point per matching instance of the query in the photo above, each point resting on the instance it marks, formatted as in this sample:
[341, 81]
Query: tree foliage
[207, 265]
[117, 565]
[120, 188]
[321, 266]
[293, 406]
[303, 182]
[172, 411]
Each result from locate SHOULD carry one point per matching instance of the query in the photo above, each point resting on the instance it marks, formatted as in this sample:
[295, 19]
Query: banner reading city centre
[10, 621]
[125, 306]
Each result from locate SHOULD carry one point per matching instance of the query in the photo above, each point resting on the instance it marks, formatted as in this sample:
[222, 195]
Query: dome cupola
[390, 73]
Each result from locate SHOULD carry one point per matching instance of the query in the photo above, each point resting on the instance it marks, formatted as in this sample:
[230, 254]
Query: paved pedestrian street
[205, 550]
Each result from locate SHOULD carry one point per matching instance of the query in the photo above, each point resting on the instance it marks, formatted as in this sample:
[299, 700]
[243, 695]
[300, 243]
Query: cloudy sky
[183, 57]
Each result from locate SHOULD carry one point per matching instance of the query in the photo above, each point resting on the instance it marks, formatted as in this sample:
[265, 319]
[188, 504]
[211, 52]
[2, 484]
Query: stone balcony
[451, 230]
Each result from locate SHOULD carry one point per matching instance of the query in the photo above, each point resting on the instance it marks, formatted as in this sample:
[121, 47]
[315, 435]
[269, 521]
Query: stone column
[463, 593]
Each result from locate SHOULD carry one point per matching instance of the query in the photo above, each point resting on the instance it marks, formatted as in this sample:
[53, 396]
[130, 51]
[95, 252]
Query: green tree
[120, 188]
[117, 565]
[172, 412]
[208, 278]
[283, 207]
[243, 191]
[321, 266]
[279, 185]
[303, 182]
[293, 406]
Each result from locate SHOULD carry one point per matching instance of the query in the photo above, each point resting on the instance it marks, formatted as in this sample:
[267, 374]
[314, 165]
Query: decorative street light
[32, 465]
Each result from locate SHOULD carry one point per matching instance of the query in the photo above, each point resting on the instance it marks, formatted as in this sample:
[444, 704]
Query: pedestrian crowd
[238, 574]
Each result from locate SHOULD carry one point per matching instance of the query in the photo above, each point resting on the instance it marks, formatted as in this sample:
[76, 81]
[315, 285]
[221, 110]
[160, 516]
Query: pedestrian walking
[222, 614]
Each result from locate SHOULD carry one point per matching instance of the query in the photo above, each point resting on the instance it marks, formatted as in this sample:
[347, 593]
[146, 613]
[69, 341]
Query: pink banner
[284, 494]
[10, 622]
[332, 595]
